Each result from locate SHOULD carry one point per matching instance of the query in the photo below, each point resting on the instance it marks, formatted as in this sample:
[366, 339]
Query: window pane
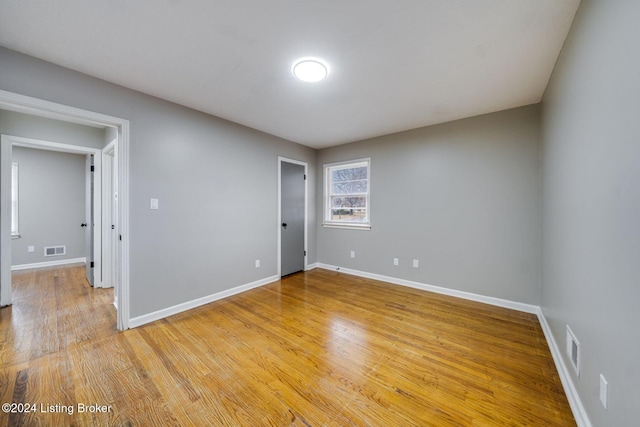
[349, 214]
[348, 202]
[349, 187]
[349, 174]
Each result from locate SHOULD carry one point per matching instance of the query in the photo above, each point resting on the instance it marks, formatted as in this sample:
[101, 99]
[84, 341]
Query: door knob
[84, 224]
[284, 225]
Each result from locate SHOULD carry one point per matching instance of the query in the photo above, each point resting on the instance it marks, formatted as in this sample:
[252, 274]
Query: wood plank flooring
[314, 349]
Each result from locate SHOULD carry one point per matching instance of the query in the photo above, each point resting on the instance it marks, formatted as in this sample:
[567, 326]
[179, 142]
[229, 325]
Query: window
[14, 200]
[346, 194]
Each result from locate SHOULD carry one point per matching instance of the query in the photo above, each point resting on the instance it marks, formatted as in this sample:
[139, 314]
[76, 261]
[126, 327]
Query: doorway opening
[118, 255]
[92, 182]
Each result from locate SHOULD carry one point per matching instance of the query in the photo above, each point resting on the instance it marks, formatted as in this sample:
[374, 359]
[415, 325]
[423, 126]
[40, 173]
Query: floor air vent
[55, 250]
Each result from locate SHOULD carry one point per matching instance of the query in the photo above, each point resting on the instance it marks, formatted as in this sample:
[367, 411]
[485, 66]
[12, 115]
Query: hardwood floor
[314, 349]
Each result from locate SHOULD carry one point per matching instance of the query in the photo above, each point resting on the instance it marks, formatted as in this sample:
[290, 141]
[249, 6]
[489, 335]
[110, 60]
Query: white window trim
[15, 230]
[326, 196]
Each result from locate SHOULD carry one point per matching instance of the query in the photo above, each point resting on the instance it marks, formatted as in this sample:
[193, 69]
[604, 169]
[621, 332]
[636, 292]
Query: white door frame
[306, 204]
[38, 107]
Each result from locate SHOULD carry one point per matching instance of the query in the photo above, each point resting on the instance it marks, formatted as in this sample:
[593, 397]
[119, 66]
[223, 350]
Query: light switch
[31, 248]
[153, 204]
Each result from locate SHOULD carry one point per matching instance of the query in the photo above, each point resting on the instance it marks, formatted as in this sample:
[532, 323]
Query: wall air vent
[55, 250]
[573, 350]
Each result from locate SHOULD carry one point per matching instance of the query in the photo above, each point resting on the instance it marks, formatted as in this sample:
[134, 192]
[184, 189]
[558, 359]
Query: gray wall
[216, 183]
[591, 204]
[463, 198]
[27, 126]
[51, 204]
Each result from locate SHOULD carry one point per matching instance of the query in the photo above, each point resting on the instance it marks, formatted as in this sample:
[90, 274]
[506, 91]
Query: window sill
[366, 227]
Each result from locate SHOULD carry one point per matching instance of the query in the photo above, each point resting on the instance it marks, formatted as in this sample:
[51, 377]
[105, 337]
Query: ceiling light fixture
[310, 69]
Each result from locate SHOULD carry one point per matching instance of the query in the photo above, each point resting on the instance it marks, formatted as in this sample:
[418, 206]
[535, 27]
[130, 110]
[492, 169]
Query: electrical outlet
[353, 254]
[153, 204]
[396, 261]
[31, 248]
[257, 263]
[416, 263]
[604, 391]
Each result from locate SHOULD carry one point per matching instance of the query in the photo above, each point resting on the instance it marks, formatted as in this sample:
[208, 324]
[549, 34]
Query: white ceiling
[395, 65]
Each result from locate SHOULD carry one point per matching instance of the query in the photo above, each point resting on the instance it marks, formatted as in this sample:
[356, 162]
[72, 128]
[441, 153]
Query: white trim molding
[179, 308]
[312, 266]
[48, 264]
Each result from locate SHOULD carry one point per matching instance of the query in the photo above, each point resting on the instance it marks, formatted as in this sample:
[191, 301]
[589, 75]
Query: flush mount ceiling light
[310, 69]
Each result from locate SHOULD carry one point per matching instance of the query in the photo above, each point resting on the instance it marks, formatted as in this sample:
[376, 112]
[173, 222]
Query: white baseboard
[179, 308]
[48, 264]
[514, 305]
[579, 413]
[312, 266]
